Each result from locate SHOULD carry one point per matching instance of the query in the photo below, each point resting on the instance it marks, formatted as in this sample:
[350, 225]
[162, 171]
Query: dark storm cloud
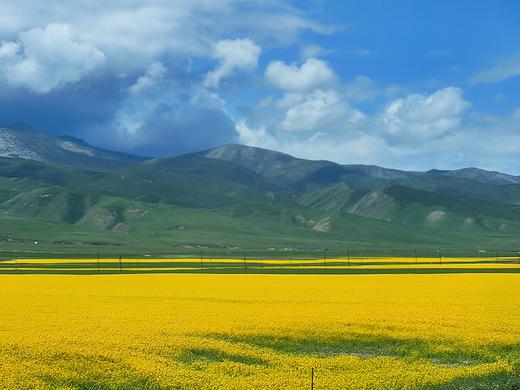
[181, 129]
[70, 67]
[69, 110]
[164, 112]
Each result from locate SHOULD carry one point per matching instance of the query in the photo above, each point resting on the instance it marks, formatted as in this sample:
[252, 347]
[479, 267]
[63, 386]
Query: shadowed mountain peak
[22, 141]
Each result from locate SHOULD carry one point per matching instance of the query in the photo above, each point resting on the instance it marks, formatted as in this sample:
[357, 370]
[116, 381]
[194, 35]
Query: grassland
[160, 205]
[207, 331]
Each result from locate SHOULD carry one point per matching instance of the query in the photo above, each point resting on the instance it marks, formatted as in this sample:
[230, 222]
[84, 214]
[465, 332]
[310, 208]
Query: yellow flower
[244, 331]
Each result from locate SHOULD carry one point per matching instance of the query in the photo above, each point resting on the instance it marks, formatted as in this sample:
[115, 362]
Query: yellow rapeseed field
[175, 264]
[210, 331]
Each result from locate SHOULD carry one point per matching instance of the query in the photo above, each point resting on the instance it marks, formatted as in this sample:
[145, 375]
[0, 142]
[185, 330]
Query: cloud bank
[44, 59]
[164, 77]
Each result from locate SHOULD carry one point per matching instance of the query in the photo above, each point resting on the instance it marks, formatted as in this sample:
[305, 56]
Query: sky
[404, 84]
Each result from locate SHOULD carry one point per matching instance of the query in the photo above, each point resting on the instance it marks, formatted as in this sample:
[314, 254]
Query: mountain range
[60, 192]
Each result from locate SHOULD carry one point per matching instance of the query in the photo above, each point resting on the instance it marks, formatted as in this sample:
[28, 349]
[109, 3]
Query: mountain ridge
[241, 196]
[263, 161]
[475, 173]
[24, 142]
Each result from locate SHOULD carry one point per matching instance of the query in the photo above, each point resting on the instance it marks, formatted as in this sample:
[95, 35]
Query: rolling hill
[83, 198]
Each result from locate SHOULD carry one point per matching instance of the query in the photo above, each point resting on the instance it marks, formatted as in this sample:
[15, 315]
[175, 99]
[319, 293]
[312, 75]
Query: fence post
[440, 256]
[120, 263]
[245, 261]
[312, 378]
[415, 255]
[348, 257]
[325, 256]
[98, 262]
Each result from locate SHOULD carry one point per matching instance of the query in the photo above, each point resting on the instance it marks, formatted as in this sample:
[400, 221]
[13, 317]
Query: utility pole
[415, 255]
[325, 256]
[120, 263]
[245, 261]
[98, 262]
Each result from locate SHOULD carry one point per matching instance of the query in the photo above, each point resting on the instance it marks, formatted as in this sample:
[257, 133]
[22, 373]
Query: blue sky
[404, 84]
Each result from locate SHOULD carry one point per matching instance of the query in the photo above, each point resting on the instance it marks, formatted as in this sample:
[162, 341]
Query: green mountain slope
[190, 181]
[246, 197]
[414, 207]
[305, 175]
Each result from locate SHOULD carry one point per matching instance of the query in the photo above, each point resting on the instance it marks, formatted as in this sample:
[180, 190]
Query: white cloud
[134, 33]
[419, 117]
[236, 54]
[356, 149]
[8, 51]
[322, 111]
[163, 116]
[351, 147]
[361, 89]
[500, 71]
[313, 114]
[42, 60]
[417, 131]
[310, 51]
[290, 99]
[259, 136]
[312, 74]
[155, 72]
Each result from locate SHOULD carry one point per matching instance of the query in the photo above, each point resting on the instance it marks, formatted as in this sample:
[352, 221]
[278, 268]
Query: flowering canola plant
[252, 264]
[211, 331]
